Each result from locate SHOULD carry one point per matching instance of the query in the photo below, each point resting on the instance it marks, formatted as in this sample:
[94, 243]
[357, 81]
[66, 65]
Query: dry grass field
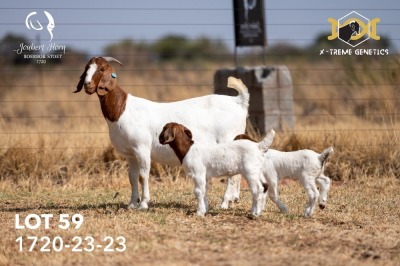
[56, 158]
[359, 226]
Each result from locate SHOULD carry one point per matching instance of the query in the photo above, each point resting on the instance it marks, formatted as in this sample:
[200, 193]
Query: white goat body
[306, 166]
[142, 122]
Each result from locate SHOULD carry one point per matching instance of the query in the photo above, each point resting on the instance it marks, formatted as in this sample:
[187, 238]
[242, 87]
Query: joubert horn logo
[50, 25]
[352, 28]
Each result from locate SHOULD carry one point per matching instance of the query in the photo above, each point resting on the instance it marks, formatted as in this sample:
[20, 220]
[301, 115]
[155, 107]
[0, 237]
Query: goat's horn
[111, 59]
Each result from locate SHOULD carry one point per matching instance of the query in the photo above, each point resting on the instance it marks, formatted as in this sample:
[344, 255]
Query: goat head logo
[50, 25]
[352, 27]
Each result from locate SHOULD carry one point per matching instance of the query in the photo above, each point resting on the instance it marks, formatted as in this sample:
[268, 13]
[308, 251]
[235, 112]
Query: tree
[8, 45]
[130, 51]
[179, 47]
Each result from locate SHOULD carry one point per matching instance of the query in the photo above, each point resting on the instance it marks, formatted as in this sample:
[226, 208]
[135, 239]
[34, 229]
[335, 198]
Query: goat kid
[202, 161]
[135, 123]
[307, 166]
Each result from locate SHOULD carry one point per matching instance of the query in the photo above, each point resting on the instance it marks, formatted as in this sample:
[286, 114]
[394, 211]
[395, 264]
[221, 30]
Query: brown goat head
[99, 76]
[171, 130]
[178, 137]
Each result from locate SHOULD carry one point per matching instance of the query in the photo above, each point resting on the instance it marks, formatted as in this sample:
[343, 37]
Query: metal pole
[263, 52]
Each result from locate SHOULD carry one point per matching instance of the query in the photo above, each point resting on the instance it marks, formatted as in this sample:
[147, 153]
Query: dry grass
[58, 159]
[361, 225]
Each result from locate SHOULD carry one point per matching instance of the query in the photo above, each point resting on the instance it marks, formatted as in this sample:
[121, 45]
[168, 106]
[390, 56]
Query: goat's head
[99, 76]
[172, 131]
[355, 27]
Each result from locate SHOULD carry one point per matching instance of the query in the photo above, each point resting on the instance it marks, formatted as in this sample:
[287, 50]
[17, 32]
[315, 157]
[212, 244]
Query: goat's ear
[107, 82]
[81, 81]
[352, 26]
[269, 138]
[169, 135]
[80, 85]
[188, 133]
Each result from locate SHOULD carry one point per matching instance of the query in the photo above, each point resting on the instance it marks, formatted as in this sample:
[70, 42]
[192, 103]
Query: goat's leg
[312, 193]
[208, 186]
[232, 191]
[200, 185]
[273, 195]
[324, 184]
[144, 174]
[257, 190]
[236, 190]
[263, 200]
[133, 180]
[264, 184]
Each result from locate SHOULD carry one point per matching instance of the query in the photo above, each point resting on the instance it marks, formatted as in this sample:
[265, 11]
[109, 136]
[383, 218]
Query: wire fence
[9, 119]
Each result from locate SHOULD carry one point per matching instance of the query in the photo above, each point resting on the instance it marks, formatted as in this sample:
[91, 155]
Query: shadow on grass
[111, 206]
[53, 207]
[171, 205]
[114, 207]
[190, 209]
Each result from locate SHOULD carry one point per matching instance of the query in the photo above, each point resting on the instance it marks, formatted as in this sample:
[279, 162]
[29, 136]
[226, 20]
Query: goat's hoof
[200, 214]
[132, 206]
[252, 216]
[143, 206]
[322, 206]
[224, 205]
[285, 211]
[236, 200]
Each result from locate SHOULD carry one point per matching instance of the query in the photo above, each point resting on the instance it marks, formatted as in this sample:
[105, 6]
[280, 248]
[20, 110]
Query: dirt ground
[360, 226]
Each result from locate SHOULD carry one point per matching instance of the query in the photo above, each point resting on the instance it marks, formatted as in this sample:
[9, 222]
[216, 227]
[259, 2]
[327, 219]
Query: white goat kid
[202, 161]
[307, 166]
[135, 123]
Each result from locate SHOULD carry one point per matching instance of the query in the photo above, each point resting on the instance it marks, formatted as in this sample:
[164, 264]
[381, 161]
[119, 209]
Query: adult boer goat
[134, 123]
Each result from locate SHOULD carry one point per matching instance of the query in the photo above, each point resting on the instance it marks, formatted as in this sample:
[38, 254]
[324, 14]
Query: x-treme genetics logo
[354, 29]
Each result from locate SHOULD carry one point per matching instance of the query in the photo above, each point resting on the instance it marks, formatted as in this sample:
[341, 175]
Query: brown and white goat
[202, 161]
[134, 123]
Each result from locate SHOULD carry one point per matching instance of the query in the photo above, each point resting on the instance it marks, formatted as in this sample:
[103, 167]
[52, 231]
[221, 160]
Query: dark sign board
[249, 22]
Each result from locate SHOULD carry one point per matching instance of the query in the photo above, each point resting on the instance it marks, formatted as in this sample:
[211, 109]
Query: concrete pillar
[271, 94]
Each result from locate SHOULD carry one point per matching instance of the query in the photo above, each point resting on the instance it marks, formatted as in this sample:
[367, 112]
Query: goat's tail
[267, 141]
[325, 155]
[238, 85]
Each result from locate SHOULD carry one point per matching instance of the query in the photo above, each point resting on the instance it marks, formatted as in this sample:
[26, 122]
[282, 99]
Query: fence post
[271, 95]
